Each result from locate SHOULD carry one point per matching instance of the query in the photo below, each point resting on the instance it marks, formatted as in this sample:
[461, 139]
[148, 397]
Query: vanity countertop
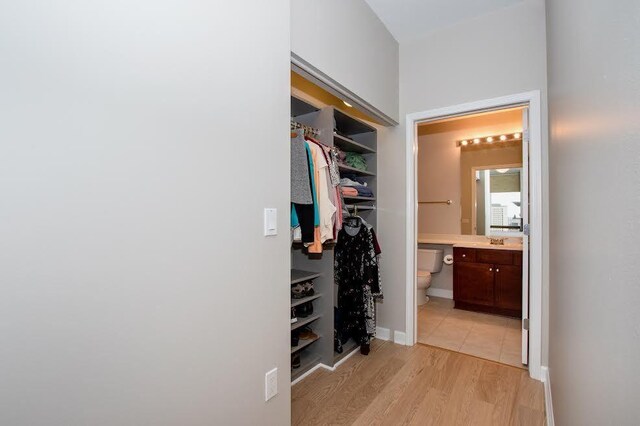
[470, 241]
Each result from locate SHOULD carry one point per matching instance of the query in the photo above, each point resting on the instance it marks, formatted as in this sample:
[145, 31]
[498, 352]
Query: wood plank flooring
[419, 385]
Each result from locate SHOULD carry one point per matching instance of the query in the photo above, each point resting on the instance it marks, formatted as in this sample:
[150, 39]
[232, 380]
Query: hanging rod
[448, 202]
[307, 129]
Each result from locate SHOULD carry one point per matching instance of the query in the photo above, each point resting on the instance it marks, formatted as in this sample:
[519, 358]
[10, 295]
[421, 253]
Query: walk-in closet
[316, 308]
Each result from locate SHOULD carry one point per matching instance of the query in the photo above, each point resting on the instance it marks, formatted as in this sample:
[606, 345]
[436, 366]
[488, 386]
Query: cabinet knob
[490, 269]
[497, 269]
[464, 255]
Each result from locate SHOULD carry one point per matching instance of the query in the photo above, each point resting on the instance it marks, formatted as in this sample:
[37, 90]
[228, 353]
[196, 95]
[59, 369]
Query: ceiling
[411, 19]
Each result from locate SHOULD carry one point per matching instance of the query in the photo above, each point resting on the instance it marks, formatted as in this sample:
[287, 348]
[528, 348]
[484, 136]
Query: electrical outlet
[270, 384]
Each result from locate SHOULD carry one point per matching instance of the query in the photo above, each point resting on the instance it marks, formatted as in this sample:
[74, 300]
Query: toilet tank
[430, 260]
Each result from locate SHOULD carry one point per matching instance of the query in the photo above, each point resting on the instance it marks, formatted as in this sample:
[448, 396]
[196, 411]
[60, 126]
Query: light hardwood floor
[419, 385]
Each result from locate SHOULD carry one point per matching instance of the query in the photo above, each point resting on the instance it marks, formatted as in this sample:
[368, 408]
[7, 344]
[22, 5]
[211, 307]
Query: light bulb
[503, 138]
[464, 142]
[516, 135]
[476, 140]
[347, 104]
[489, 139]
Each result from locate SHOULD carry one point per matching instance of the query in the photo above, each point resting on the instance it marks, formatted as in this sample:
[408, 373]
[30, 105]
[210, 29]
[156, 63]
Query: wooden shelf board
[304, 321]
[349, 145]
[298, 275]
[349, 169]
[303, 343]
[296, 302]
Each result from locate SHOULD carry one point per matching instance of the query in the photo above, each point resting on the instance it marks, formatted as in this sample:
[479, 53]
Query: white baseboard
[326, 367]
[548, 401]
[440, 292]
[383, 333]
[399, 337]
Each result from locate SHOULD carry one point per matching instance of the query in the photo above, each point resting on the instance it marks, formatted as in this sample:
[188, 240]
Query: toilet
[429, 262]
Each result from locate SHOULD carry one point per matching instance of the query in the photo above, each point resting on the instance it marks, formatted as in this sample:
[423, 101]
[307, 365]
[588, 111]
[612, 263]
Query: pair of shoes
[307, 334]
[295, 360]
[305, 309]
[365, 348]
[301, 290]
[295, 337]
[293, 315]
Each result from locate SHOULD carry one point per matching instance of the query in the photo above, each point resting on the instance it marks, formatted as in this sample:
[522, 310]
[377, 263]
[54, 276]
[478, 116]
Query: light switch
[270, 222]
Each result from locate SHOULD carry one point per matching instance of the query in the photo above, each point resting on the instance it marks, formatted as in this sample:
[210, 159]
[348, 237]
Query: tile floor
[486, 336]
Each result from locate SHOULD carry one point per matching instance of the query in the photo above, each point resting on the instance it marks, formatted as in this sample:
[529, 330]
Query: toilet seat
[424, 273]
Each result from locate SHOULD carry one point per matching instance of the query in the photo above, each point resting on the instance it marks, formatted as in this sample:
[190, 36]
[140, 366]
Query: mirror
[497, 199]
[475, 162]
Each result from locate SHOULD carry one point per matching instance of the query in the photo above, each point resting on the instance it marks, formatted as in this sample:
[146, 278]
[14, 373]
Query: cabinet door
[474, 283]
[508, 287]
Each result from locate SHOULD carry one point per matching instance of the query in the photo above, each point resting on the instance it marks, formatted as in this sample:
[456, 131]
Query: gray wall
[137, 287]
[451, 66]
[594, 92]
[347, 41]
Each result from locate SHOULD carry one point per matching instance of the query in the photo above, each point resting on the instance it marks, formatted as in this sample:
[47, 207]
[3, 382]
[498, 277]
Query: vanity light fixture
[347, 104]
[509, 137]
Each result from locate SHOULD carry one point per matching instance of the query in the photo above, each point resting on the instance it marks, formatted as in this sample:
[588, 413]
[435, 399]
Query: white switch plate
[271, 384]
[270, 222]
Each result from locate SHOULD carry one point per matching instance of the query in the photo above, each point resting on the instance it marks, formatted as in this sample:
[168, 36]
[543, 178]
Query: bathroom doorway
[482, 296]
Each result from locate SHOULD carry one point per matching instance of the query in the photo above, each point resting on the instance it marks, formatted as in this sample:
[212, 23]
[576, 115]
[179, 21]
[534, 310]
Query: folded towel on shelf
[355, 160]
[349, 191]
[363, 191]
[345, 181]
[354, 177]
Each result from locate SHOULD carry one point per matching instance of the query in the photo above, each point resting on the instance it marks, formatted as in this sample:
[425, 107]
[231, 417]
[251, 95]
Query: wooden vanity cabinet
[486, 280]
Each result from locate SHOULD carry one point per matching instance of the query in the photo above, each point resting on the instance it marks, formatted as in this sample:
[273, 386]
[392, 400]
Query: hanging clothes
[325, 206]
[358, 280]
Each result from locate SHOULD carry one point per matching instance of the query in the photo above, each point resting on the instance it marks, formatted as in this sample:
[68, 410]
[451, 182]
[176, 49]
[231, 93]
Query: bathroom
[472, 191]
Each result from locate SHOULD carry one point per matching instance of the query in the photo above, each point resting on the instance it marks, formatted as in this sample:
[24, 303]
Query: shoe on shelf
[293, 315]
[295, 360]
[308, 288]
[295, 337]
[298, 291]
[307, 334]
[305, 309]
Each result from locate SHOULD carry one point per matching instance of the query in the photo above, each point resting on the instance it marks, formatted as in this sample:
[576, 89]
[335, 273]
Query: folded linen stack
[353, 182]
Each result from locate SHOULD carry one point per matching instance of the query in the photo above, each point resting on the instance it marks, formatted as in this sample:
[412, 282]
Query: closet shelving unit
[355, 136]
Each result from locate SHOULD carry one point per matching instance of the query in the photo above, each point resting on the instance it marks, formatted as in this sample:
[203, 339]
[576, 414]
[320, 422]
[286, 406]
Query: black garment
[305, 219]
[356, 274]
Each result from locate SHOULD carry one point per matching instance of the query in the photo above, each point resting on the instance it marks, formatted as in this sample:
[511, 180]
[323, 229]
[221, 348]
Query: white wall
[137, 287]
[594, 90]
[347, 41]
[493, 55]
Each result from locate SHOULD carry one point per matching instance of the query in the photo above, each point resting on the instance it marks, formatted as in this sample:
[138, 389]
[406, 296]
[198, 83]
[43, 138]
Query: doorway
[529, 224]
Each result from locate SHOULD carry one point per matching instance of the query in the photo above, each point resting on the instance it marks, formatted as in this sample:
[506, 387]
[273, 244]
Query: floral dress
[358, 281]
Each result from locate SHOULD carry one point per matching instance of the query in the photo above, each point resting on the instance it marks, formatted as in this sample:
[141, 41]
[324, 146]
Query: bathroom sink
[488, 245]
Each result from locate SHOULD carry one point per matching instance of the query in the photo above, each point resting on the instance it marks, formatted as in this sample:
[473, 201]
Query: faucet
[496, 241]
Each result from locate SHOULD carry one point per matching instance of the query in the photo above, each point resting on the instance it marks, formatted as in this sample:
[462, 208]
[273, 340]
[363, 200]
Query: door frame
[532, 100]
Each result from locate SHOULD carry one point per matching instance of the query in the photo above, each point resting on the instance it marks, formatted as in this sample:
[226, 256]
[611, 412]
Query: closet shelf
[307, 362]
[296, 302]
[303, 343]
[361, 207]
[359, 199]
[298, 275]
[349, 169]
[350, 145]
[304, 321]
